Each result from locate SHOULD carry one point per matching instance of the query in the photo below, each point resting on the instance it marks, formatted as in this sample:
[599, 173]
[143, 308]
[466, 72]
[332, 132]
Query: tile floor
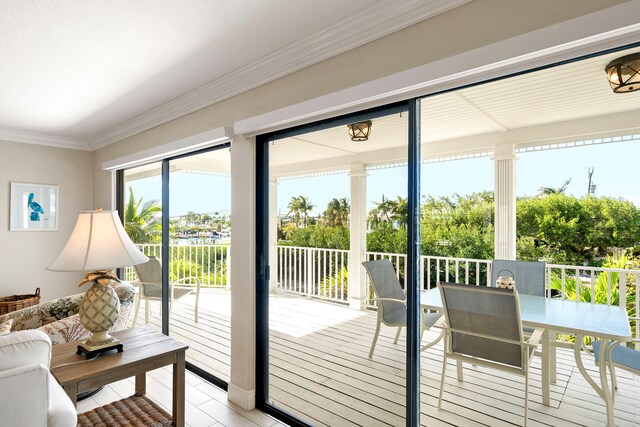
[206, 404]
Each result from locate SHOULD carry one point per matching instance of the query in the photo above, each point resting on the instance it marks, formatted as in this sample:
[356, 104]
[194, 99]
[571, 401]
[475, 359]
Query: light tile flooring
[206, 405]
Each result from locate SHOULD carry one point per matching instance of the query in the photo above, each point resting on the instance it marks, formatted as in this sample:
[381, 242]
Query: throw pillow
[5, 327]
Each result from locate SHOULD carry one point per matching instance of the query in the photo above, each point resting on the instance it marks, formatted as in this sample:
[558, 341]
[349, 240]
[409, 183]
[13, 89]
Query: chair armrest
[401, 301]
[184, 279]
[441, 323]
[613, 344]
[24, 395]
[24, 347]
[536, 337]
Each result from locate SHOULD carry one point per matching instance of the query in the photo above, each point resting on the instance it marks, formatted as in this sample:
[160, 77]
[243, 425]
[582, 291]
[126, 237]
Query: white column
[243, 275]
[358, 236]
[505, 201]
[273, 233]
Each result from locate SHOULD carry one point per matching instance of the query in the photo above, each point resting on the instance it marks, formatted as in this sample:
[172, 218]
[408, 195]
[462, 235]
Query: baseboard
[246, 399]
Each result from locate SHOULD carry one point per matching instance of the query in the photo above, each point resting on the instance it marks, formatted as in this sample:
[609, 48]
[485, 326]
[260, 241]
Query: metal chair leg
[397, 335]
[444, 373]
[459, 370]
[375, 339]
[137, 310]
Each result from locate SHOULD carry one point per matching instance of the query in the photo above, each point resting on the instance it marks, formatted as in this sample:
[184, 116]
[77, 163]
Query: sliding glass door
[142, 215]
[200, 237]
[178, 212]
[336, 219]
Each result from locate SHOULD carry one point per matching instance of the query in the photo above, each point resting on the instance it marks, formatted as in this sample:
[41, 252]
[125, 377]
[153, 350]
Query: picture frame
[34, 207]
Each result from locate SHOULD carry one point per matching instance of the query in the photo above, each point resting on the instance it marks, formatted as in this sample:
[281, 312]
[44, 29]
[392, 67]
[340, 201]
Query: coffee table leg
[141, 384]
[72, 392]
[178, 390]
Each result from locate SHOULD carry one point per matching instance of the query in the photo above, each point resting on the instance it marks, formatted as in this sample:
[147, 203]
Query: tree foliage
[299, 208]
[554, 227]
[337, 212]
[565, 229]
[141, 220]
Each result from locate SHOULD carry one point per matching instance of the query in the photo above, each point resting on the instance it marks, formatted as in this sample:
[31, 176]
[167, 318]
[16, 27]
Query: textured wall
[24, 255]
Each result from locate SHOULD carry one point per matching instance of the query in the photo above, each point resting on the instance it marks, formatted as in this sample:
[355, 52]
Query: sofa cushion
[5, 327]
[65, 330]
[125, 291]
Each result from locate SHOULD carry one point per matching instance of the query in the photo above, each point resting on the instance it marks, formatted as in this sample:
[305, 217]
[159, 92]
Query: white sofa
[29, 395]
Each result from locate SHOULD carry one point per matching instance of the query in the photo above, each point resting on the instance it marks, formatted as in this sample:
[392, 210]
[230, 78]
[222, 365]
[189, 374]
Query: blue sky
[616, 165]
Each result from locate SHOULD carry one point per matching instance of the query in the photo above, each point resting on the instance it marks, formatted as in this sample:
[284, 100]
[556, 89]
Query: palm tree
[305, 207]
[546, 191]
[140, 220]
[400, 211]
[337, 212]
[300, 207]
[294, 210]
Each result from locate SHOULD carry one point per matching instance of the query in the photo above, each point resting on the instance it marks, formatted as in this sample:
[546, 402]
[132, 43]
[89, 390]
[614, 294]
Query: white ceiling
[86, 73]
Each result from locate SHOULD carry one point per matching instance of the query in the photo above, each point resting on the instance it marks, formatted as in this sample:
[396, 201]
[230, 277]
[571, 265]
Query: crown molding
[13, 135]
[379, 20]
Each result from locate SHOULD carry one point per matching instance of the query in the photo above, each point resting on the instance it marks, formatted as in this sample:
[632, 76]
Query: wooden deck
[319, 371]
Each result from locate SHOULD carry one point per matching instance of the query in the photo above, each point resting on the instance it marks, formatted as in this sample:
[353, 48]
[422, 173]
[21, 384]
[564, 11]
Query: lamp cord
[75, 363]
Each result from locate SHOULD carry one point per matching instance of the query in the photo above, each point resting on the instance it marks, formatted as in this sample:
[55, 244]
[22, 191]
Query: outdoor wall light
[360, 131]
[624, 73]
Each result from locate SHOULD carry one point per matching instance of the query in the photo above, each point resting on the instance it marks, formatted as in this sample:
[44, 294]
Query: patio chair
[618, 356]
[482, 326]
[150, 275]
[392, 301]
[529, 275]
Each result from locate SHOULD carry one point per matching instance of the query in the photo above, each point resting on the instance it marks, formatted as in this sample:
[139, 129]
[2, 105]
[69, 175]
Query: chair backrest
[529, 275]
[491, 312]
[386, 285]
[151, 274]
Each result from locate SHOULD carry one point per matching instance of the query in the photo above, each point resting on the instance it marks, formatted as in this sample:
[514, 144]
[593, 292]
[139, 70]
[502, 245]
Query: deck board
[320, 371]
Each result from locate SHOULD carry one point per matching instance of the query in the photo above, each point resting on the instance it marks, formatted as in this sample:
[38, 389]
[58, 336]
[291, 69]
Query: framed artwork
[34, 207]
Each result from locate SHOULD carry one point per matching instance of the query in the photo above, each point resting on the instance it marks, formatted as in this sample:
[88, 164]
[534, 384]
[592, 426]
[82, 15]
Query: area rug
[133, 411]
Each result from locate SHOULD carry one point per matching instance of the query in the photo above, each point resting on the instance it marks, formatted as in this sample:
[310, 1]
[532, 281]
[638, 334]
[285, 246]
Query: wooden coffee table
[144, 350]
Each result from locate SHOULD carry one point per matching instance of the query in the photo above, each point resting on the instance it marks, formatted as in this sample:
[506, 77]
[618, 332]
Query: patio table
[569, 317]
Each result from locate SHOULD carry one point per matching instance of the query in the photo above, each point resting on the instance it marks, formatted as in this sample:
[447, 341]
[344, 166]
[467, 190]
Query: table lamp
[98, 244]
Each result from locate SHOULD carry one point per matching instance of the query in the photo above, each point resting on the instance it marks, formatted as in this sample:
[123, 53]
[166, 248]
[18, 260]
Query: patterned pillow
[124, 290]
[5, 327]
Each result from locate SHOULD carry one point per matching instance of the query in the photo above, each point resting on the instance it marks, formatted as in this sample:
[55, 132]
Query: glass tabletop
[572, 317]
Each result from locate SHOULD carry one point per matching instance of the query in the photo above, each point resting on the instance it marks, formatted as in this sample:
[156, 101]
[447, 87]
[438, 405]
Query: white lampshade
[98, 242]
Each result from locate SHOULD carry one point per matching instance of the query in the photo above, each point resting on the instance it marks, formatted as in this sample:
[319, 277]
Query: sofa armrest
[24, 347]
[24, 395]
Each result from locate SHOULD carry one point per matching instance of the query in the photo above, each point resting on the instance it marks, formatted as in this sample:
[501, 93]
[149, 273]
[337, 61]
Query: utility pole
[591, 189]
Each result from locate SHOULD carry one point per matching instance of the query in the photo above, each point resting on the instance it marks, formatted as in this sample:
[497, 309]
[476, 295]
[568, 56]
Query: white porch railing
[209, 263]
[313, 272]
[322, 273]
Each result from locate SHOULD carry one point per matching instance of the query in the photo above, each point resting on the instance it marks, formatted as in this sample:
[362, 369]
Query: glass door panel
[334, 204]
[200, 237]
[143, 223]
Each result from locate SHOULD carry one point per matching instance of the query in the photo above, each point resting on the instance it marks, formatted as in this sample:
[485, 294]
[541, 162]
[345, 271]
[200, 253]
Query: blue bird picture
[36, 209]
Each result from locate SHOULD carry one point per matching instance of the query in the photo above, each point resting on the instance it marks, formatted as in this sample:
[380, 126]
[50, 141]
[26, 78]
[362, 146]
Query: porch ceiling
[573, 101]
[570, 102]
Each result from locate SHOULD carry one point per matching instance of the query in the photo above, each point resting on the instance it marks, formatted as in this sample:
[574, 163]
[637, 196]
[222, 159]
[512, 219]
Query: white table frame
[581, 319]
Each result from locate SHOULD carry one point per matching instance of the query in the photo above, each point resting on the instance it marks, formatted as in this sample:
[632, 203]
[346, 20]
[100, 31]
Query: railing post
[358, 236]
[273, 233]
[228, 263]
[308, 277]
